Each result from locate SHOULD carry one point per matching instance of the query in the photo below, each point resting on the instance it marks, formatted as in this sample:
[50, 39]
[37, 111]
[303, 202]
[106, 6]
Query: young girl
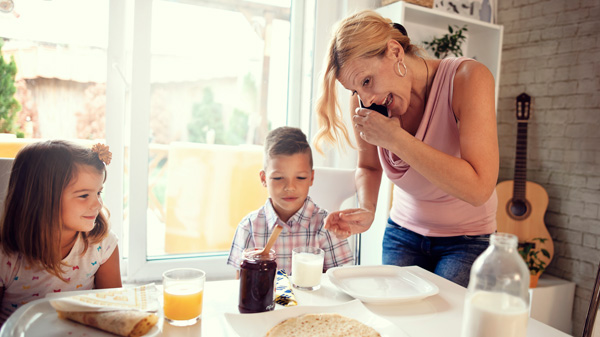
[54, 230]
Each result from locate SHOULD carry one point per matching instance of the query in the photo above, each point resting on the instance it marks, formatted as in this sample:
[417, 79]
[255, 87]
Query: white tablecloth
[438, 315]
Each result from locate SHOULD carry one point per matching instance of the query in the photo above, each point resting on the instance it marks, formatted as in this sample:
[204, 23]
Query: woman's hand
[375, 128]
[349, 221]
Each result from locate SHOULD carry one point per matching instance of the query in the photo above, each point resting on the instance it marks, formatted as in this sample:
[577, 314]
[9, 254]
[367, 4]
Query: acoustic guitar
[522, 204]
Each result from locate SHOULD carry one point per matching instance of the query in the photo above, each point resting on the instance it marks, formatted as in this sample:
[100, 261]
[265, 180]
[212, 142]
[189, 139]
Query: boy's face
[287, 178]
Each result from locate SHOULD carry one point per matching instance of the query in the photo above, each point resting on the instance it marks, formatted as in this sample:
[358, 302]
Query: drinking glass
[307, 267]
[183, 290]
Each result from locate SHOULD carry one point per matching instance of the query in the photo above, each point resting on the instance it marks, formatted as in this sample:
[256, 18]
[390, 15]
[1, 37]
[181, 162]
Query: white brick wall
[551, 51]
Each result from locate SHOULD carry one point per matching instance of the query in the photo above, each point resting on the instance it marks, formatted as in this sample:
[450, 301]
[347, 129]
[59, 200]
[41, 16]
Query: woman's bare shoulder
[472, 72]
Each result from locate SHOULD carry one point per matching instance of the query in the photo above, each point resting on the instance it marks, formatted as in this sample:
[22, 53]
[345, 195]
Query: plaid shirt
[305, 228]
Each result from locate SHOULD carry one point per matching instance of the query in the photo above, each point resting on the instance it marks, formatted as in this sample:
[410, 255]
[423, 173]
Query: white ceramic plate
[381, 284]
[257, 325]
[38, 318]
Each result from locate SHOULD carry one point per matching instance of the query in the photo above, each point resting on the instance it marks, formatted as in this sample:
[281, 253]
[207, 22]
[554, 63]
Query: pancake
[322, 325]
[128, 323]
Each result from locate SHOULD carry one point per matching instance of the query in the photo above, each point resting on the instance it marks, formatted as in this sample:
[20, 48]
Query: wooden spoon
[272, 239]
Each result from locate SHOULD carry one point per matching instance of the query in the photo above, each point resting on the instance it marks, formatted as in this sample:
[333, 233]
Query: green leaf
[546, 253]
[448, 43]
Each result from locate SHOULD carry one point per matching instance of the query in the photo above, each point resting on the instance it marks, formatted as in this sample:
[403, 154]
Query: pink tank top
[418, 204]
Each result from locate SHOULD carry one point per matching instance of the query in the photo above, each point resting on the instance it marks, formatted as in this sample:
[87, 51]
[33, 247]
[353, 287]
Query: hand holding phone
[382, 109]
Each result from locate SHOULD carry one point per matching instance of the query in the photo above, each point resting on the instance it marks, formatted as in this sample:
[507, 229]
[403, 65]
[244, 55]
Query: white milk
[307, 269]
[490, 314]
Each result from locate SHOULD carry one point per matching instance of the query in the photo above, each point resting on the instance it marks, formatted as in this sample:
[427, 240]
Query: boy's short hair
[287, 141]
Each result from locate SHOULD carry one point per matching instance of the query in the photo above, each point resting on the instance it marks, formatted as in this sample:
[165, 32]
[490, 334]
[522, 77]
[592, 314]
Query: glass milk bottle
[497, 301]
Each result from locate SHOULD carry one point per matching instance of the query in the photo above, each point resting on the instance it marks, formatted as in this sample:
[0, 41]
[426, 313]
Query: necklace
[426, 89]
[426, 81]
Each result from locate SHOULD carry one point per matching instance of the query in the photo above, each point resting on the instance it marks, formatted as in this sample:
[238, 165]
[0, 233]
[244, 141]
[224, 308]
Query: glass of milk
[307, 267]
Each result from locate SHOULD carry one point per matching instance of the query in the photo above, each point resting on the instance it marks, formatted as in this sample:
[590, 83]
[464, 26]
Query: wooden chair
[590, 319]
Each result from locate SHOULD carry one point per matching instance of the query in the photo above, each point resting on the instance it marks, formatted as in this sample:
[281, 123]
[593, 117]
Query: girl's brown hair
[362, 35]
[31, 223]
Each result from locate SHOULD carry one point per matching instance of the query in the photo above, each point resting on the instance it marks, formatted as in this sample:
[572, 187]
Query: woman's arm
[368, 171]
[472, 177]
[367, 179]
[109, 273]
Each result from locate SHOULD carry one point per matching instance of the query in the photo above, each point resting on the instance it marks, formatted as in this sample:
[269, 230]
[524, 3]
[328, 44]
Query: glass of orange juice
[183, 290]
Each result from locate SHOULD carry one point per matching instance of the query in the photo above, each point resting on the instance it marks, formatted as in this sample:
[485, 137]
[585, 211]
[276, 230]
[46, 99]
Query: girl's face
[376, 81]
[288, 178]
[81, 201]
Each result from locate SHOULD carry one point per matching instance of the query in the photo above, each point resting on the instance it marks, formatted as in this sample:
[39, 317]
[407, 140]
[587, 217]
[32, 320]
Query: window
[184, 92]
[61, 71]
[209, 79]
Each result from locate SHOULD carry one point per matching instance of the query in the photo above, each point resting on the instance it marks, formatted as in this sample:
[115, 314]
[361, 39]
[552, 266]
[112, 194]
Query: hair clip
[400, 28]
[103, 153]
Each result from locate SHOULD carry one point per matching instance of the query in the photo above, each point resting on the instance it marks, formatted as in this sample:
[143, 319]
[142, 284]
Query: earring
[405, 70]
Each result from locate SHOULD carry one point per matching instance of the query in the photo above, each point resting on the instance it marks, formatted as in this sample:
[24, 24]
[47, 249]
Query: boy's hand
[349, 221]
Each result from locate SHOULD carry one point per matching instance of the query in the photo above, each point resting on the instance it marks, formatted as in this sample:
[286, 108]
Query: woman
[438, 145]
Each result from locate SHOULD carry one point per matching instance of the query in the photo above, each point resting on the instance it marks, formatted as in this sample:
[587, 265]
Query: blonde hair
[31, 224]
[361, 35]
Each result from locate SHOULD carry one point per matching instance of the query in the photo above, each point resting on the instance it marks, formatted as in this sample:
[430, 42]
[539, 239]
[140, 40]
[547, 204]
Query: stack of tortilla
[124, 311]
[322, 325]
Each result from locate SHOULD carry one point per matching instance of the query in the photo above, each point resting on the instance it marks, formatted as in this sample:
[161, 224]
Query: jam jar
[257, 281]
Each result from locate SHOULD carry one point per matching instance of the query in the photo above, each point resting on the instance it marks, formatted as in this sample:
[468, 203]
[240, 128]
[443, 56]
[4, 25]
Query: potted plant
[530, 255]
[449, 43]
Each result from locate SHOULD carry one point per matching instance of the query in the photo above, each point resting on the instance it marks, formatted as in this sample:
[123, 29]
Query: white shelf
[484, 40]
[552, 302]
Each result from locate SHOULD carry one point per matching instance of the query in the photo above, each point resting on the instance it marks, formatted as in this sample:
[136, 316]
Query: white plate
[381, 284]
[38, 318]
[257, 325]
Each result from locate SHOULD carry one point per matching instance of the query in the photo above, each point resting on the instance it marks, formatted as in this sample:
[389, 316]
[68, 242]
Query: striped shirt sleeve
[241, 241]
[337, 252]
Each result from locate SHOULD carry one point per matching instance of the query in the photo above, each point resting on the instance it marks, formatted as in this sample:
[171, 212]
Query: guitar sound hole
[518, 208]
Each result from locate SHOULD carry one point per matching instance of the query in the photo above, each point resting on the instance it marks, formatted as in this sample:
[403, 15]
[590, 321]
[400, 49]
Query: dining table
[439, 314]
[436, 315]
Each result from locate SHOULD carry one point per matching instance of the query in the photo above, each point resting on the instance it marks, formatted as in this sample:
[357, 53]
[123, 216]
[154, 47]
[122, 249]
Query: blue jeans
[448, 257]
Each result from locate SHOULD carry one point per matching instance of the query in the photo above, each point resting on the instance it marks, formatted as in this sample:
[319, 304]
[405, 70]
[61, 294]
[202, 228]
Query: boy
[288, 174]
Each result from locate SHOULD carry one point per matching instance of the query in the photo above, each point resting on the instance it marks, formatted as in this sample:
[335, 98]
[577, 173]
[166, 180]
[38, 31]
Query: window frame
[135, 97]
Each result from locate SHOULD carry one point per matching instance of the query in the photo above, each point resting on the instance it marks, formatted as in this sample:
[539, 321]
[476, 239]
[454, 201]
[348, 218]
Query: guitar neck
[520, 176]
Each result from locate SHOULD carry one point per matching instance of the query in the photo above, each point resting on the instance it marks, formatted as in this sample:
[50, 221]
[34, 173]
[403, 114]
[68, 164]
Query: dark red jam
[257, 281]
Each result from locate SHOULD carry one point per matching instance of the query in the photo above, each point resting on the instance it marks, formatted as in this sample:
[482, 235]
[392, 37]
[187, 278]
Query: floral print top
[24, 283]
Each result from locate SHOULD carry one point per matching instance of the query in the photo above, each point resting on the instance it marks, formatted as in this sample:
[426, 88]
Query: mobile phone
[382, 109]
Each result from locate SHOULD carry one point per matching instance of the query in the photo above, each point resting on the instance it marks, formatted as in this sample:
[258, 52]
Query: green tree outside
[238, 128]
[207, 115]
[9, 106]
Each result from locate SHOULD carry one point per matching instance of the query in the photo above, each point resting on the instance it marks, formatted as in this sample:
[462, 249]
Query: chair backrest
[331, 187]
[5, 168]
